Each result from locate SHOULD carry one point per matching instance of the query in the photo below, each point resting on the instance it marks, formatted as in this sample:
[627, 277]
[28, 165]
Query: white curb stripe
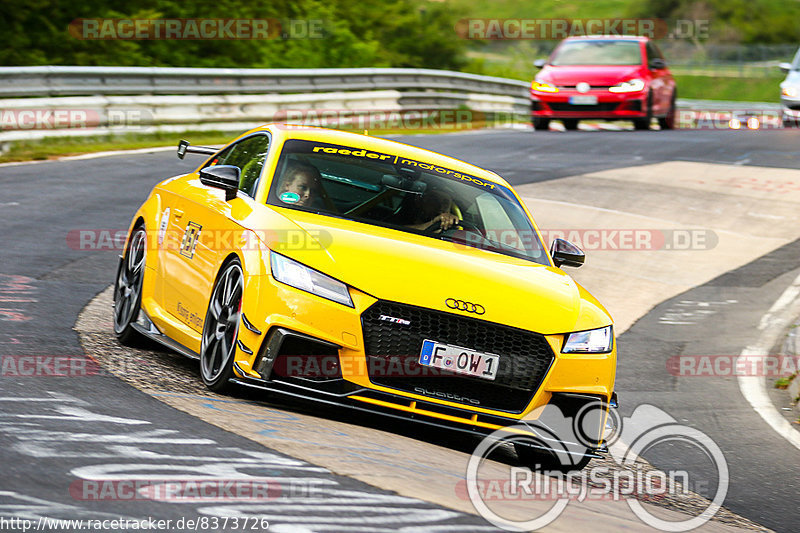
[754, 388]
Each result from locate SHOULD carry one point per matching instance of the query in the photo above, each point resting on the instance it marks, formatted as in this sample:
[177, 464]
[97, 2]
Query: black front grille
[564, 106]
[393, 348]
[794, 107]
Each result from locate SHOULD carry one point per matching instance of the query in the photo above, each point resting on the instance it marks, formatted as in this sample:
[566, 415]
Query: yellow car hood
[418, 270]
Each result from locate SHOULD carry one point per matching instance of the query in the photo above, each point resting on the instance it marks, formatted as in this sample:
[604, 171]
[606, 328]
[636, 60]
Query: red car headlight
[630, 86]
[543, 87]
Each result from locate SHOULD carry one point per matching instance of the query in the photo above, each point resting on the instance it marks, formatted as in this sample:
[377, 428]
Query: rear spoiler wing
[184, 147]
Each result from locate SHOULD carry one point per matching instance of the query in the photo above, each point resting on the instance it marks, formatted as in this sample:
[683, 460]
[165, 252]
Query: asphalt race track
[58, 432]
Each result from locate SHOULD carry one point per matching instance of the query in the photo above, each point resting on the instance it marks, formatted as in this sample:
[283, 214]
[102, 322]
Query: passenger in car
[300, 184]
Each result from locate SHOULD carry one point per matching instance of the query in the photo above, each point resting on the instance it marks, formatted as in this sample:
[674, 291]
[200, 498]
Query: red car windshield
[597, 53]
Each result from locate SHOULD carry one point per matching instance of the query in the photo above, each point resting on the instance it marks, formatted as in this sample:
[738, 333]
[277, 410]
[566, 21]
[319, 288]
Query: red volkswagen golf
[603, 78]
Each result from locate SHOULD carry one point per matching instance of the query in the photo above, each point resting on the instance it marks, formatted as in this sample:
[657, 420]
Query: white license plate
[583, 100]
[459, 360]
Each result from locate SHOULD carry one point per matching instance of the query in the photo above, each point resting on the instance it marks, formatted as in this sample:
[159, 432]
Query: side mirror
[785, 67]
[225, 177]
[540, 63]
[657, 64]
[564, 253]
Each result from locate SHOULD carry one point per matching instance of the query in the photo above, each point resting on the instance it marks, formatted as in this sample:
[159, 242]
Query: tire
[644, 122]
[543, 461]
[221, 327]
[570, 124]
[790, 122]
[128, 288]
[668, 122]
[540, 123]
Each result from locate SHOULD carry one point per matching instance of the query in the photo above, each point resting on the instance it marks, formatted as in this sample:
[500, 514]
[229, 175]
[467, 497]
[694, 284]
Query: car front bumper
[790, 107]
[609, 106]
[376, 368]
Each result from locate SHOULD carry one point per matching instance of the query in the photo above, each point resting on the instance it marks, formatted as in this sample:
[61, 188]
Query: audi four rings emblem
[461, 305]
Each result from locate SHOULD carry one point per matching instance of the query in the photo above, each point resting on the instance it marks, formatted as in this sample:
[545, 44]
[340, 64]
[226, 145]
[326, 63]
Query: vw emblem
[461, 305]
[583, 87]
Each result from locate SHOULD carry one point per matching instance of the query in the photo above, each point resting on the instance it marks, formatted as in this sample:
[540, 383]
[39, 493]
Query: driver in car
[432, 207]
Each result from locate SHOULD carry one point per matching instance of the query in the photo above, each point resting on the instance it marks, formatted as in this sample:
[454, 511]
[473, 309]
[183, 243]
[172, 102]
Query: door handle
[177, 213]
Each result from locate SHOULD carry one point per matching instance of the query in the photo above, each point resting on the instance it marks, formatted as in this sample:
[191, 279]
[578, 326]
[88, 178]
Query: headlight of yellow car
[307, 279]
[630, 86]
[591, 341]
[543, 87]
[789, 91]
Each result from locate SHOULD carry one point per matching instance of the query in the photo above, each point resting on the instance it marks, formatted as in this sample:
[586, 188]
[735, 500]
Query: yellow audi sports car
[359, 271]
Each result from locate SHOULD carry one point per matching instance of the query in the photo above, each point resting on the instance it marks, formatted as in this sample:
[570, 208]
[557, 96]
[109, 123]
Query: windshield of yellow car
[392, 191]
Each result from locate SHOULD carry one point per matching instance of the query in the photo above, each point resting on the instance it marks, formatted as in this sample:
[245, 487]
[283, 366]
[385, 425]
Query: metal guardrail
[111, 100]
[104, 81]
[85, 101]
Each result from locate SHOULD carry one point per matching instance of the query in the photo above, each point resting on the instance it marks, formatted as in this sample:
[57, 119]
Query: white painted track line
[754, 388]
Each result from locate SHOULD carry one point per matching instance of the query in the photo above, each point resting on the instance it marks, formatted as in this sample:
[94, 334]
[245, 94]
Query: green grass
[761, 89]
[516, 62]
[59, 147]
[783, 383]
[538, 9]
[56, 147]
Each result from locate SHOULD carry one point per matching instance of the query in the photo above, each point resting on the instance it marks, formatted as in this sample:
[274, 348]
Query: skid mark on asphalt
[134, 465]
[428, 468]
[688, 312]
[15, 291]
